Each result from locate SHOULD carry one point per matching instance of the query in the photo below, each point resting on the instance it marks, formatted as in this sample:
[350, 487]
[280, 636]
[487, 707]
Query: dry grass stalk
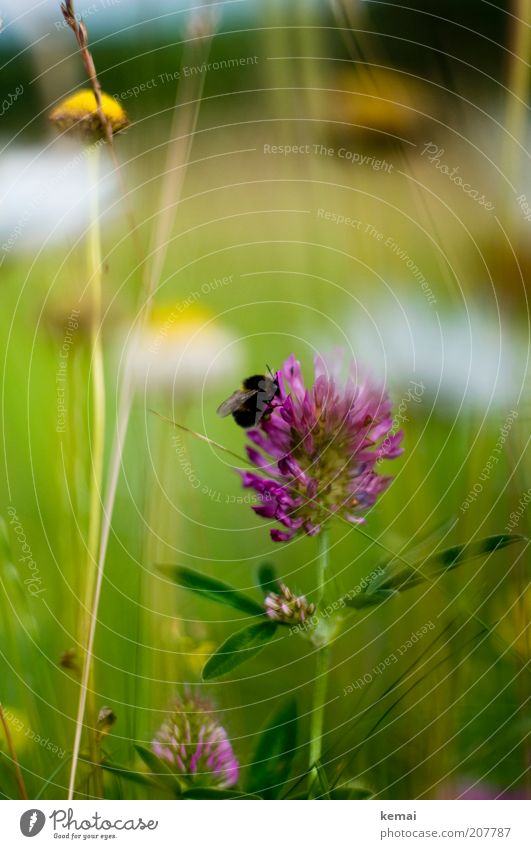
[81, 35]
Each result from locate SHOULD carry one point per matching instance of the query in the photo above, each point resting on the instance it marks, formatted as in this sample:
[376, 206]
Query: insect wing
[235, 401]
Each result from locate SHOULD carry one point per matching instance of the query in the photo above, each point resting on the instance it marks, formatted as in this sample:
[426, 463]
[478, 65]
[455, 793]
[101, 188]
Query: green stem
[322, 661]
[98, 379]
[322, 563]
[518, 82]
[319, 697]
[13, 755]
[98, 427]
[97, 443]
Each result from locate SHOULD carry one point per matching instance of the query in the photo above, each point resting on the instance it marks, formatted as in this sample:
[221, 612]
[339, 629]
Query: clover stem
[322, 662]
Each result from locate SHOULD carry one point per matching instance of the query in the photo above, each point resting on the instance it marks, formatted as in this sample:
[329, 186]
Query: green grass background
[297, 282]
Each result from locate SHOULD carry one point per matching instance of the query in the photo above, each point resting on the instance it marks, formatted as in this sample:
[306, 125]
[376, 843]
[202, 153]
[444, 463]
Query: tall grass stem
[97, 443]
[176, 166]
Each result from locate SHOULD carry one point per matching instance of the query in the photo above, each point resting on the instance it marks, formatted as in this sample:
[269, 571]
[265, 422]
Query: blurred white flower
[183, 351]
[44, 195]
[467, 357]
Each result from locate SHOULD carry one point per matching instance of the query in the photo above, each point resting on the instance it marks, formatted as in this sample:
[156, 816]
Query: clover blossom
[196, 746]
[317, 450]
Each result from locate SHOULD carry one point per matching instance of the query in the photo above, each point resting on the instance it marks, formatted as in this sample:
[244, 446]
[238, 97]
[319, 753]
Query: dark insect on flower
[253, 401]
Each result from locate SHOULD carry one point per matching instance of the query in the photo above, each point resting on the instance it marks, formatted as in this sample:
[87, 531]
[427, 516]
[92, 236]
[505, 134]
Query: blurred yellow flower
[383, 100]
[79, 113]
[182, 349]
[17, 723]
[196, 655]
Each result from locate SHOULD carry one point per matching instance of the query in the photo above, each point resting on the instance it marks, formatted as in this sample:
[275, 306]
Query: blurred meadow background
[296, 177]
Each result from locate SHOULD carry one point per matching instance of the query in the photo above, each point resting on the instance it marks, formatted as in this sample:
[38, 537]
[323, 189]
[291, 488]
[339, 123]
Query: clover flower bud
[288, 608]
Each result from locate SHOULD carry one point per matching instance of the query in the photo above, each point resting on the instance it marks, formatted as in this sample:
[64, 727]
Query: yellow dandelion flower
[79, 113]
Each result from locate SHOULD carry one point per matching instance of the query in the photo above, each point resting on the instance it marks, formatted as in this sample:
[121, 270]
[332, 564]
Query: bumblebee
[252, 402]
